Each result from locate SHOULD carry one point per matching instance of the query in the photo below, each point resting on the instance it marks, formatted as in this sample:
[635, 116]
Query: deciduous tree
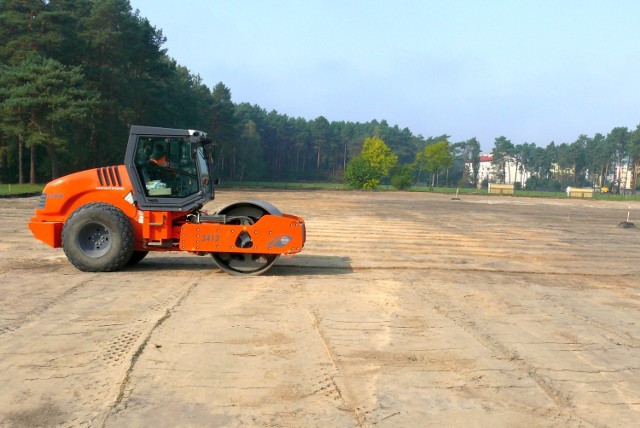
[435, 156]
[374, 163]
[378, 155]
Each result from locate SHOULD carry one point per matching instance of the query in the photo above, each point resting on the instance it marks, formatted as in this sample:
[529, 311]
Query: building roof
[484, 157]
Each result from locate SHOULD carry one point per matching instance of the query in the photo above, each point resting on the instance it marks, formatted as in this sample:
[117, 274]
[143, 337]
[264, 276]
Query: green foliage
[378, 155]
[374, 163]
[402, 177]
[20, 189]
[249, 154]
[360, 174]
[434, 157]
[502, 151]
[535, 183]
[40, 99]
[470, 152]
[81, 72]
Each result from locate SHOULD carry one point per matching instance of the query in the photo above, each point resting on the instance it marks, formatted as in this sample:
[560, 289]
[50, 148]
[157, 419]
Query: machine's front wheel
[98, 237]
[245, 264]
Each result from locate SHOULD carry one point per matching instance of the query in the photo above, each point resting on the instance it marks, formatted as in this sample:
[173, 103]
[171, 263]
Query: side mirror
[209, 148]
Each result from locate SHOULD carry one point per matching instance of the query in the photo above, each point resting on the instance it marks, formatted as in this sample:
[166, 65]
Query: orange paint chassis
[281, 234]
[271, 234]
[108, 218]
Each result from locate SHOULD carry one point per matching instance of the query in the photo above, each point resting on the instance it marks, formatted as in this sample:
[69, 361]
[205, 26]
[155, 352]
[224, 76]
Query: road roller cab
[110, 217]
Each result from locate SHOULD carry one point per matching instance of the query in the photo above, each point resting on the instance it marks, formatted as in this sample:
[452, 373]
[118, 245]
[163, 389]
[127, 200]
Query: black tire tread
[123, 229]
[136, 257]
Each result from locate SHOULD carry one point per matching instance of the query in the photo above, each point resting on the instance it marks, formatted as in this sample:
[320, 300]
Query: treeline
[74, 74]
[611, 160]
[265, 145]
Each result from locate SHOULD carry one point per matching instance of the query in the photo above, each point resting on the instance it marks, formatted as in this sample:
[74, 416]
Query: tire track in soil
[328, 380]
[87, 359]
[123, 392]
[39, 310]
[290, 268]
[271, 368]
[558, 250]
[616, 336]
[459, 317]
[333, 384]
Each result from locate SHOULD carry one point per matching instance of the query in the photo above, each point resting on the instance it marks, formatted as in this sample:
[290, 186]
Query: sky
[533, 71]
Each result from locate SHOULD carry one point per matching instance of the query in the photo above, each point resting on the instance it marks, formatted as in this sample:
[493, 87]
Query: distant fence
[580, 192]
[501, 189]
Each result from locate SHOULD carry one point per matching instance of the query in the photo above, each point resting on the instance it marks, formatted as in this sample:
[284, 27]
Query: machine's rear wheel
[244, 264]
[98, 237]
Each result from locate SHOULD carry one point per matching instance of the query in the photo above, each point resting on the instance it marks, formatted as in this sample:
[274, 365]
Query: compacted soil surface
[404, 309]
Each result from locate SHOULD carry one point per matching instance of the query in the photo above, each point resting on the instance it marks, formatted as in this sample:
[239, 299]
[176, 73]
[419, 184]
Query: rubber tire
[136, 257]
[120, 233]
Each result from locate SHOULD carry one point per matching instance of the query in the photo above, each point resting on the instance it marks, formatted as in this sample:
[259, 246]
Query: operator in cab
[158, 156]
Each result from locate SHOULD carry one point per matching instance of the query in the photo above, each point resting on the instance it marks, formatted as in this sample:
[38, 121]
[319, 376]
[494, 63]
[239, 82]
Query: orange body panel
[270, 235]
[61, 197]
[49, 232]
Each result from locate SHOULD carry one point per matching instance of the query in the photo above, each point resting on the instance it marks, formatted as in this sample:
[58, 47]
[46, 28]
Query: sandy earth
[403, 310]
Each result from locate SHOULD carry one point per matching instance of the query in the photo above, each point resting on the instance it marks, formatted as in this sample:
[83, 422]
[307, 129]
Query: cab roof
[165, 132]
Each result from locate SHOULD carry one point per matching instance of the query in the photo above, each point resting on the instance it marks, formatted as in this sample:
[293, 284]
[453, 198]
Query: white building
[487, 171]
[624, 173]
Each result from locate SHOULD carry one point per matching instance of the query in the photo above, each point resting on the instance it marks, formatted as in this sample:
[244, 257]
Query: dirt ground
[404, 309]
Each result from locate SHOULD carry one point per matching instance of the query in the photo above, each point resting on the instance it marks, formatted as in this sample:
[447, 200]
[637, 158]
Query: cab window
[166, 167]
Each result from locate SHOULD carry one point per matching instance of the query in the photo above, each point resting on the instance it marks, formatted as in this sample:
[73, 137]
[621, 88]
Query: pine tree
[39, 98]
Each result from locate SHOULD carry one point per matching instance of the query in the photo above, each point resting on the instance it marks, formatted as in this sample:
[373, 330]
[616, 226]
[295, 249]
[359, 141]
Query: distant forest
[74, 74]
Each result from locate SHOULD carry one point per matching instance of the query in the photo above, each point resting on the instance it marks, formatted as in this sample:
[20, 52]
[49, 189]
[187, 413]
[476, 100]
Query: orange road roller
[110, 217]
